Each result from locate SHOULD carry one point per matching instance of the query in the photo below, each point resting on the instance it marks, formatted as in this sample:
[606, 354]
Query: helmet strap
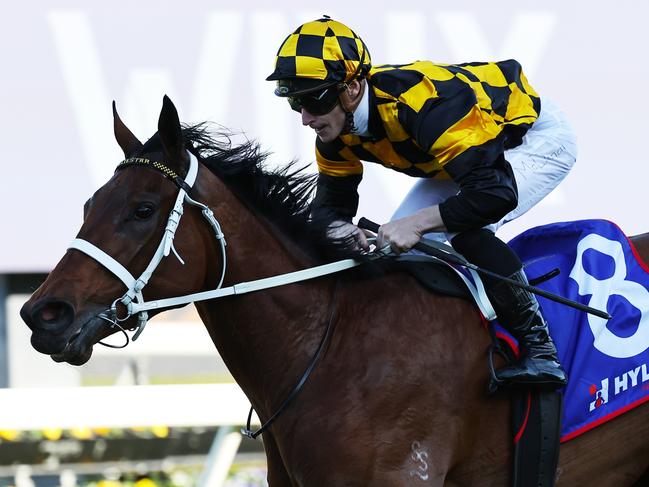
[349, 126]
[349, 105]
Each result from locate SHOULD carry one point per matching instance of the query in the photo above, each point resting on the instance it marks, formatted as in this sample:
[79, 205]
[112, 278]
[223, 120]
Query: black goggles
[316, 102]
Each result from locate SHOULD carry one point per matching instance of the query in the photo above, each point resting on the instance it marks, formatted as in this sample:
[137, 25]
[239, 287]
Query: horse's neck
[266, 338]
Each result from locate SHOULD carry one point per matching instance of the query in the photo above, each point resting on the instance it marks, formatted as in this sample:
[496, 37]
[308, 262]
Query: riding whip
[446, 254]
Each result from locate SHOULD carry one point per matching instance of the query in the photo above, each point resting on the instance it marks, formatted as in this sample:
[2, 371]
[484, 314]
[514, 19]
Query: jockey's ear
[125, 138]
[352, 95]
[170, 132]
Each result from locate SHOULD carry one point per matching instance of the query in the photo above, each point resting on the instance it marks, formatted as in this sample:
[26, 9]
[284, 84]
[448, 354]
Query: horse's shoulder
[641, 243]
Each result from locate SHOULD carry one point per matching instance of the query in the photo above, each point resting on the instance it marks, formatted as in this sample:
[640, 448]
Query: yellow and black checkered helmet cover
[324, 50]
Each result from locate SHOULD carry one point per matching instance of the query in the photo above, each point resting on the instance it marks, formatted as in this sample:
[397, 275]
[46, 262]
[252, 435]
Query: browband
[158, 166]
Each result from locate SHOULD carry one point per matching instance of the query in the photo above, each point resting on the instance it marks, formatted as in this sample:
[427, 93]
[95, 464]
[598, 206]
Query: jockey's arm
[336, 198]
[334, 206]
[487, 193]
[476, 162]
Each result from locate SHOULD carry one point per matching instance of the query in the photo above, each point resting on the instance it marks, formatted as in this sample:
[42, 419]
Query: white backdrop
[63, 62]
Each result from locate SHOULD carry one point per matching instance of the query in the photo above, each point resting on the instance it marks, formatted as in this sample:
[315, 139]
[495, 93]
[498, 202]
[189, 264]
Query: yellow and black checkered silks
[324, 50]
[424, 115]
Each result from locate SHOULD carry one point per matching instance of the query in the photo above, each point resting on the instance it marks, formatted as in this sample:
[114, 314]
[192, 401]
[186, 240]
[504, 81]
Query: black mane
[281, 195]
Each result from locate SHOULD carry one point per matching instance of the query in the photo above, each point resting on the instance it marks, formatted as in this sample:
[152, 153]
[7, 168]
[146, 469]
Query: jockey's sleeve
[470, 146]
[339, 174]
[336, 198]
[487, 193]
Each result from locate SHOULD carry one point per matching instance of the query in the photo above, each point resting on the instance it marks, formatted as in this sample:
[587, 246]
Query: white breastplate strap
[479, 294]
[475, 286]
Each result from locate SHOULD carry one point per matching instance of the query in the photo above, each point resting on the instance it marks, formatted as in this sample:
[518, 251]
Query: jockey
[484, 143]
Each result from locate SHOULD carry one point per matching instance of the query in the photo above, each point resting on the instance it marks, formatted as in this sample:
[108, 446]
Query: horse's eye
[144, 211]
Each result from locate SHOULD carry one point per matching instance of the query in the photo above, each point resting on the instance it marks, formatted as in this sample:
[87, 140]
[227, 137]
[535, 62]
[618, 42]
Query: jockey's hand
[340, 229]
[401, 235]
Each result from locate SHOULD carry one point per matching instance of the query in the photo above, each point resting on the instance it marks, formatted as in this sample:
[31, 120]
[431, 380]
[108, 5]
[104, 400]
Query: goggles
[316, 102]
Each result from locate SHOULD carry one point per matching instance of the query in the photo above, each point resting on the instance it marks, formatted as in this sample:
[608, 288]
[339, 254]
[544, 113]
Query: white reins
[133, 300]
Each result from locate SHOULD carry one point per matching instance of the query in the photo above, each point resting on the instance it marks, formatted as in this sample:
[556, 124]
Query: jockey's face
[328, 126]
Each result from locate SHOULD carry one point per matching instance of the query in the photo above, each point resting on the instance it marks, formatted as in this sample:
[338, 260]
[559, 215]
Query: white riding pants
[548, 152]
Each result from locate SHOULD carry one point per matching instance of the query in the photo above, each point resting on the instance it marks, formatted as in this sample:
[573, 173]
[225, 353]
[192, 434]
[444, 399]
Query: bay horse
[398, 396]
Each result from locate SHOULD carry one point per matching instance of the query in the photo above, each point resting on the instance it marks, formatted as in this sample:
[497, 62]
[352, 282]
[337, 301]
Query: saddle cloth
[606, 362]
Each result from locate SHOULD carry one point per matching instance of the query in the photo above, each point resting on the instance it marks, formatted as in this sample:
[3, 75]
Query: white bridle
[133, 300]
[135, 286]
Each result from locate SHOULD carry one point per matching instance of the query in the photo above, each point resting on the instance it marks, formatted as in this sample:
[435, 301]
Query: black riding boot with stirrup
[519, 312]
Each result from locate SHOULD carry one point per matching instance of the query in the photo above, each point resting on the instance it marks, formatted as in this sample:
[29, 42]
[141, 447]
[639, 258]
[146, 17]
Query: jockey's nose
[307, 118]
[49, 314]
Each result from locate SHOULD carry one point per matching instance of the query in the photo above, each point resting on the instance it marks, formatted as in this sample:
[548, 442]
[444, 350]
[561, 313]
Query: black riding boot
[519, 312]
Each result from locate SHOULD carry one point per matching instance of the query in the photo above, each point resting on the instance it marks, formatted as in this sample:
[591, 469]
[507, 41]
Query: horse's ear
[170, 132]
[125, 138]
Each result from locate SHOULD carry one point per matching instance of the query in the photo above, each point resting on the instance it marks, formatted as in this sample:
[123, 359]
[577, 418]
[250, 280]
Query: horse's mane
[282, 195]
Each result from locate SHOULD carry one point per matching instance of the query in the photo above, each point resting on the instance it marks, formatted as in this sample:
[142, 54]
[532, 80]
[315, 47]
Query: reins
[133, 300]
[307, 372]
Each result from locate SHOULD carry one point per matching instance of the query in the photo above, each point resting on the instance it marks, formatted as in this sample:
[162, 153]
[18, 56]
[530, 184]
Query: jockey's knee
[472, 210]
[481, 247]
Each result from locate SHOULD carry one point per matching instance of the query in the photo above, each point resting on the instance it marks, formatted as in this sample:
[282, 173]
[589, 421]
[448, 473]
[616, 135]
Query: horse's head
[126, 218]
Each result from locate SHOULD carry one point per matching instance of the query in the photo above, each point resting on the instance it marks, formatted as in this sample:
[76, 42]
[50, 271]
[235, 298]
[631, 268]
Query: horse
[398, 395]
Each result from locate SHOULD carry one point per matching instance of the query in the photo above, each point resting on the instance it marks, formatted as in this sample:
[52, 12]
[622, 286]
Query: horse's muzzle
[50, 321]
[49, 315]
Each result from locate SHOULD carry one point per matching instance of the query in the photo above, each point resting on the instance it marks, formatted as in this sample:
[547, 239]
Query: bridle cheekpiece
[134, 286]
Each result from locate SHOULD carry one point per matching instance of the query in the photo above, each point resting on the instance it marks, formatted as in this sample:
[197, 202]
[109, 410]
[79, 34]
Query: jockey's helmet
[320, 54]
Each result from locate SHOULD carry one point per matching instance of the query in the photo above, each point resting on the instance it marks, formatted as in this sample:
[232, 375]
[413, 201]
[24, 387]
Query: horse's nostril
[53, 315]
[50, 313]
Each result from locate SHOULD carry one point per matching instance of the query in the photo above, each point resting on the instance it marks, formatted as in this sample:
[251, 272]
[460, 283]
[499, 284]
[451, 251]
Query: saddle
[434, 275]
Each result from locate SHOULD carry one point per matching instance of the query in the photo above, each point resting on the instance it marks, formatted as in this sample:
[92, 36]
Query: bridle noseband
[133, 294]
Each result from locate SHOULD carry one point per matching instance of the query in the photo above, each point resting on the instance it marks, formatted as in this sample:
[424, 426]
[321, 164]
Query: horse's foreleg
[277, 473]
